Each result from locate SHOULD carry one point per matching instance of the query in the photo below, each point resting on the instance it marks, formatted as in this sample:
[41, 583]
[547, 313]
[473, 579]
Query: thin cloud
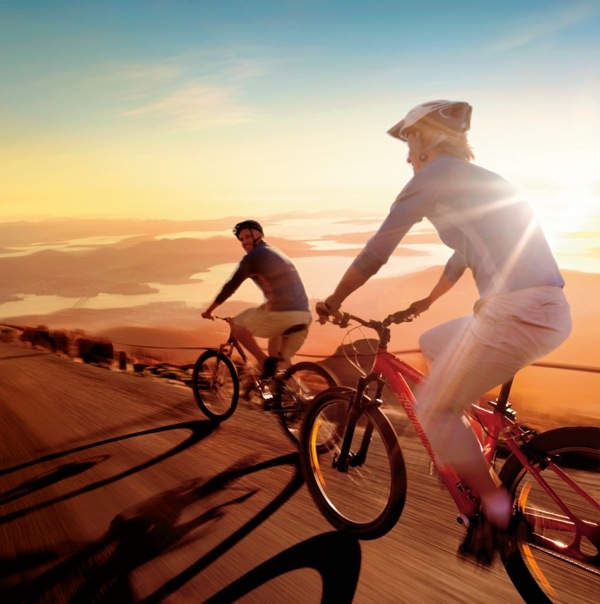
[197, 89]
[197, 106]
[130, 81]
[542, 24]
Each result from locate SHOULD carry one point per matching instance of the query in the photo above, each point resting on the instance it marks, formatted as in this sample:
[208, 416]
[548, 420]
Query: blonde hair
[454, 144]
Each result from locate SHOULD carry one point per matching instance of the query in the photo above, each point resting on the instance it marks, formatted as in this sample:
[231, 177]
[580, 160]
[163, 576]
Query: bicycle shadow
[51, 477]
[143, 532]
[335, 556]
[198, 431]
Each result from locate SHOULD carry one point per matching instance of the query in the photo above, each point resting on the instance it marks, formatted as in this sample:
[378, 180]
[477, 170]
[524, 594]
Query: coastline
[175, 333]
[142, 285]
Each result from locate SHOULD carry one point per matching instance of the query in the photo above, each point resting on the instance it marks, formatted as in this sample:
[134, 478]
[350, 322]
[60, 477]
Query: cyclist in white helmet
[520, 316]
[284, 317]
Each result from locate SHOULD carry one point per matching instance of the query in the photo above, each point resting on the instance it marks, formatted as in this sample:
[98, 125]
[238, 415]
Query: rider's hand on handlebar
[420, 306]
[325, 312]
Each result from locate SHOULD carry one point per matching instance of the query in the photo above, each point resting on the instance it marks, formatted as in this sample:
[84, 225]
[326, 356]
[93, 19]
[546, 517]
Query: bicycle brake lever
[343, 322]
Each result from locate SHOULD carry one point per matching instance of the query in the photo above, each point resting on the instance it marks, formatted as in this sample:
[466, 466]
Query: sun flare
[569, 202]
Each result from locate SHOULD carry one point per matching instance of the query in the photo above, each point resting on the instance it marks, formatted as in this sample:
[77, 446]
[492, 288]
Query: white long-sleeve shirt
[482, 217]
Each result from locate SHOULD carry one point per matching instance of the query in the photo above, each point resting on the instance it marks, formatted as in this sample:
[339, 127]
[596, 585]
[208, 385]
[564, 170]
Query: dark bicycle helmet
[247, 224]
[451, 116]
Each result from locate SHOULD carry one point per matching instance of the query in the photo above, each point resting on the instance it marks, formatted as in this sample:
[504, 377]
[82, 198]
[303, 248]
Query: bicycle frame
[270, 389]
[389, 370]
[348, 445]
[232, 344]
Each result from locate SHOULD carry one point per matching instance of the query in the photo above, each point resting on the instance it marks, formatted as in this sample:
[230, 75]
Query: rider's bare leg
[462, 450]
[284, 364]
[275, 349]
[248, 341]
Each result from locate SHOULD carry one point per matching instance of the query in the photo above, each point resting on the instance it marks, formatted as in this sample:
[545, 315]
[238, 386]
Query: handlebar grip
[402, 316]
[321, 312]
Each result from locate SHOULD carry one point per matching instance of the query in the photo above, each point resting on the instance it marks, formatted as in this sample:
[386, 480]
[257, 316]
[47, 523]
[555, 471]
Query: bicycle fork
[347, 458]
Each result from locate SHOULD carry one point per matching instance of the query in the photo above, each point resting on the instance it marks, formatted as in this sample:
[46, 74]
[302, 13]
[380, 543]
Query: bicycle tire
[366, 500]
[216, 385]
[540, 575]
[300, 384]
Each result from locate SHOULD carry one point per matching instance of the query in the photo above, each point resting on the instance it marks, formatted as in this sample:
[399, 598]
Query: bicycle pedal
[277, 408]
[267, 395]
[270, 403]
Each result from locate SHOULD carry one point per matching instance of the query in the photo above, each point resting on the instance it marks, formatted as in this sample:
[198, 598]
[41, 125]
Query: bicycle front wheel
[216, 385]
[300, 384]
[367, 497]
[559, 559]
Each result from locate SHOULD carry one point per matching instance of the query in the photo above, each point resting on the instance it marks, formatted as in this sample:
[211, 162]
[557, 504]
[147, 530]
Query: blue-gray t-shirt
[276, 276]
[482, 217]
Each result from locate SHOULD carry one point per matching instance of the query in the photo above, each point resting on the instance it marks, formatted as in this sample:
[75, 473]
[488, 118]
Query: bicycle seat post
[504, 392]
[502, 404]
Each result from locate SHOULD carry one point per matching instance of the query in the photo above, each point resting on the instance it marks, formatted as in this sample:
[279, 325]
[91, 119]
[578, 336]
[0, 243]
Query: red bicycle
[356, 474]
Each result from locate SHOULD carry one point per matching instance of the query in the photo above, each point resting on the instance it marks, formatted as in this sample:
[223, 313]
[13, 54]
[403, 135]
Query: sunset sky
[197, 109]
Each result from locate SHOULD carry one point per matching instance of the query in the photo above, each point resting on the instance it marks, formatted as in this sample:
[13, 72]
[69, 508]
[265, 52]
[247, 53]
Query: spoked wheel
[300, 384]
[366, 498]
[558, 558]
[216, 385]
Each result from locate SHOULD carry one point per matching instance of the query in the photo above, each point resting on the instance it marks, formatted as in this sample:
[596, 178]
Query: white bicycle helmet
[454, 116]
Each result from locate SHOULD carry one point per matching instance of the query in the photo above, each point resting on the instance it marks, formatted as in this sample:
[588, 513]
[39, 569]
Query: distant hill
[136, 255]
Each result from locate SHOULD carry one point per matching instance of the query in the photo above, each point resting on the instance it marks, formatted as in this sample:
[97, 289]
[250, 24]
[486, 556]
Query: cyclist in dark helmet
[521, 315]
[284, 317]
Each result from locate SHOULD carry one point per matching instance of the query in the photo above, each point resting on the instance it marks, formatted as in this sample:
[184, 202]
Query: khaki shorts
[272, 325]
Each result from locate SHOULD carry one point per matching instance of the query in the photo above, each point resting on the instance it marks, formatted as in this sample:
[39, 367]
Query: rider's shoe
[480, 542]
[484, 540]
[248, 384]
[269, 367]
[270, 394]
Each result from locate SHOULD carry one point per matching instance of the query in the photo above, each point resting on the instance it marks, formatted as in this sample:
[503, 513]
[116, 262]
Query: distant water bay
[327, 236]
[320, 274]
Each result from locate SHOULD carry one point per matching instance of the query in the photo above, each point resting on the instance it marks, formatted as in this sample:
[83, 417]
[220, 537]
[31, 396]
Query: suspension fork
[346, 457]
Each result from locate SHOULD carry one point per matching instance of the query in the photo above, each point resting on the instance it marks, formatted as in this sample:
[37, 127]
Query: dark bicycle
[219, 377]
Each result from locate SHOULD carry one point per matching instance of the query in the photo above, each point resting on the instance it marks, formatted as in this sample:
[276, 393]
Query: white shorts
[472, 355]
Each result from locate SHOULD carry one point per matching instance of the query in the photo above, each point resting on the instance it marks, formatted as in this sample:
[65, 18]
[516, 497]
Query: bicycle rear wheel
[368, 497]
[216, 385]
[559, 560]
[300, 384]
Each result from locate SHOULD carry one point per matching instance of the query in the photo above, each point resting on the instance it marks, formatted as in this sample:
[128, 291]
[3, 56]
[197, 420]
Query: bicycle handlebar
[382, 328]
[222, 318]
[401, 316]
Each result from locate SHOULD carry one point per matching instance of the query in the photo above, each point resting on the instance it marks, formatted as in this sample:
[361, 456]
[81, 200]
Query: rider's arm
[408, 209]
[350, 282]
[207, 314]
[239, 276]
[453, 270]
[443, 286]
